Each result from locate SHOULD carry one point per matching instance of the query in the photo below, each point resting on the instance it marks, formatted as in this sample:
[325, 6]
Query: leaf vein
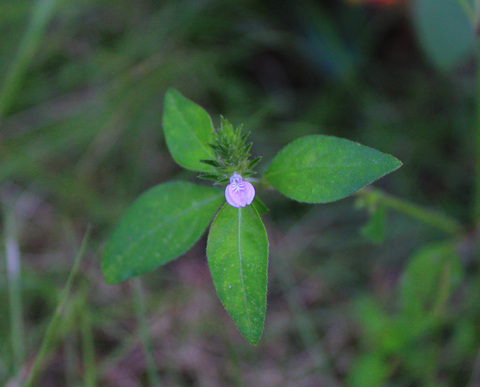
[302, 169]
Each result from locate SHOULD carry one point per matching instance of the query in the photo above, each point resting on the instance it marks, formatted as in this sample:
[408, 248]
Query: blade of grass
[29, 44]
[71, 358]
[476, 199]
[139, 296]
[88, 348]
[12, 255]
[53, 326]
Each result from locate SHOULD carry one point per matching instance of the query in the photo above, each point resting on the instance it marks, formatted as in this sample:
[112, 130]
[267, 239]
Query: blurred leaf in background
[444, 31]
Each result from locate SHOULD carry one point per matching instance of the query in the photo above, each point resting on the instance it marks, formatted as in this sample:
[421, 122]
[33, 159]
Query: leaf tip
[109, 274]
[254, 340]
[251, 334]
[109, 278]
[397, 164]
[171, 91]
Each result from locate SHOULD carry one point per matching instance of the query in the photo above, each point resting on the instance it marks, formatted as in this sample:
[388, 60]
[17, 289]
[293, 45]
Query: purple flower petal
[232, 197]
[249, 192]
[239, 193]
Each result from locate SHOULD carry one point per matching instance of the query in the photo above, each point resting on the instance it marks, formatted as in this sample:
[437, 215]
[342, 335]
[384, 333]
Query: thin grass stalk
[12, 255]
[139, 296]
[476, 200]
[70, 358]
[54, 324]
[88, 348]
[305, 326]
[41, 15]
[304, 322]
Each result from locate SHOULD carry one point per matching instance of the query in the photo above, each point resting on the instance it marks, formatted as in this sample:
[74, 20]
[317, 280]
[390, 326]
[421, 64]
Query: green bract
[322, 169]
[231, 154]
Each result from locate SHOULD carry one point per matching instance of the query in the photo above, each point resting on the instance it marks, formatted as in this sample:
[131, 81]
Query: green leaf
[259, 205]
[388, 334]
[161, 224]
[188, 131]
[322, 169]
[444, 31]
[429, 278]
[237, 251]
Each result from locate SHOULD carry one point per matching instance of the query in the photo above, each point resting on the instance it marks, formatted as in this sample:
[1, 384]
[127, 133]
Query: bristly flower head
[239, 193]
[231, 154]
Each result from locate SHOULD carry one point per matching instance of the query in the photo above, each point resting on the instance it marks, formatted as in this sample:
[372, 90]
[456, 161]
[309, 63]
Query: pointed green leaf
[322, 169]
[259, 206]
[237, 251]
[161, 224]
[188, 131]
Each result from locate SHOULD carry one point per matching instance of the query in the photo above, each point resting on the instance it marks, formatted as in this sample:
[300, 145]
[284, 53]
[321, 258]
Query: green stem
[12, 255]
[431, 218]
[476, 205]
[468, 9]
[139, 296]
[53, 326]
[88, 347]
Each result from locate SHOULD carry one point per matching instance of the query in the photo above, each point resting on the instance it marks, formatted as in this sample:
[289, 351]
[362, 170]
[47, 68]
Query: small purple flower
[239, 193]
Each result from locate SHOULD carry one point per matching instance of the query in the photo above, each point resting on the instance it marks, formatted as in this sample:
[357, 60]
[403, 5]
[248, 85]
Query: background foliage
[81, 96]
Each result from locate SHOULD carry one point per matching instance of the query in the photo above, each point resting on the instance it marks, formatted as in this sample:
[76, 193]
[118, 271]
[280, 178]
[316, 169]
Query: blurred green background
[81, 99]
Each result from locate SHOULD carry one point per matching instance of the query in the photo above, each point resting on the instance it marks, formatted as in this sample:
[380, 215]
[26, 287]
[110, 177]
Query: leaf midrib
[241, 267]
[313, 168]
